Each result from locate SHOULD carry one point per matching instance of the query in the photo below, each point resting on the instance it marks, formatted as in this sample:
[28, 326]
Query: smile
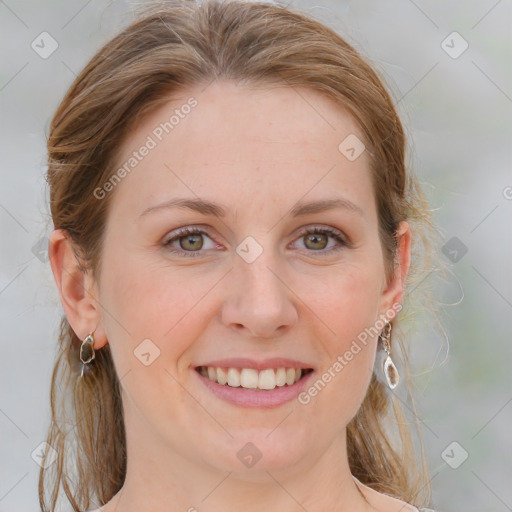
[250, 378]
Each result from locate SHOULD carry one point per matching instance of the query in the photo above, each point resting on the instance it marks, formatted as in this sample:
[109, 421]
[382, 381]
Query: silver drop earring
[389, 368]
[87, 352]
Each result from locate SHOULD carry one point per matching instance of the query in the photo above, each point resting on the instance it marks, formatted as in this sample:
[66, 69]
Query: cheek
[348, 312]
[146, 301]
[345, 300]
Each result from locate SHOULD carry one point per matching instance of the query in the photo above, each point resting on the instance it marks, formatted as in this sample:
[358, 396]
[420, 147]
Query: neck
[164, 480]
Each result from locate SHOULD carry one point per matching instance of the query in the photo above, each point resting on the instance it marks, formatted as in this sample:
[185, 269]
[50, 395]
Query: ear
[393, 293]
[78, 292]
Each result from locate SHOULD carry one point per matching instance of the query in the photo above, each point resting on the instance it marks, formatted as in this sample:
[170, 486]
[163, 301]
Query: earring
[389, 367]
[87, 352]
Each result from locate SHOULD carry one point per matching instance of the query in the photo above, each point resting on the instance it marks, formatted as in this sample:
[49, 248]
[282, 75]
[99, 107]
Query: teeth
[249, 378]
[290, 376]
[267, 379]
[233, 377]
[222, 376]
[281, 377]
[252, 379]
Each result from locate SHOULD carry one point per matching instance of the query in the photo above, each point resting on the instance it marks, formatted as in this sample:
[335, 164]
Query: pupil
[315, 238]
[190, 239]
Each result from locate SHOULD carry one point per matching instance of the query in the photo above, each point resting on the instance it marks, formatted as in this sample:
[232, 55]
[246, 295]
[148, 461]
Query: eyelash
[334, 233]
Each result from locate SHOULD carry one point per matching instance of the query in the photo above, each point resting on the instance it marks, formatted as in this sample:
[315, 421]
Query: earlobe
[75, 287]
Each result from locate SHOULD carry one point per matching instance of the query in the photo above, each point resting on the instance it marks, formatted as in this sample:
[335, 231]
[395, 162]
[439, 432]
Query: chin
[250, 457]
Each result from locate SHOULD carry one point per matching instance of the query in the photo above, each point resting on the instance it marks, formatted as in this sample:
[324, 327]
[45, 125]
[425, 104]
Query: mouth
[253, 379]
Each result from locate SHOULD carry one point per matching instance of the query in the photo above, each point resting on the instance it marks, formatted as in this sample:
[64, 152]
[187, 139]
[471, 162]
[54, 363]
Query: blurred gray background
[454, 93]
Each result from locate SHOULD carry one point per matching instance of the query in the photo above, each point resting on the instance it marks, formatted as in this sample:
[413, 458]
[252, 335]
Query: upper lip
[241, 362]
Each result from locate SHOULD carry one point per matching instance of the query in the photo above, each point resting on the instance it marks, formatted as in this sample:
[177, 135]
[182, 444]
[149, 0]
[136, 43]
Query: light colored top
[409, 507]
[419, 510]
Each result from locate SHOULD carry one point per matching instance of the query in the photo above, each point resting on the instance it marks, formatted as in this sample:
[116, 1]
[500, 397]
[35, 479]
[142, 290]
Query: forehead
[270, 145]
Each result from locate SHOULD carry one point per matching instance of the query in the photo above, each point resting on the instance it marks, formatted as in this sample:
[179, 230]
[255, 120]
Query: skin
[257, 151]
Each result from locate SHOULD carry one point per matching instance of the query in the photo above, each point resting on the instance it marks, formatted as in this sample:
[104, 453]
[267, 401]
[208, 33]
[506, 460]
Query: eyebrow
[218, 210]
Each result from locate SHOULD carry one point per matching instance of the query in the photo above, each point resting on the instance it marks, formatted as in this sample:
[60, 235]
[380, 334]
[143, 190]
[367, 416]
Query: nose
[259, 302]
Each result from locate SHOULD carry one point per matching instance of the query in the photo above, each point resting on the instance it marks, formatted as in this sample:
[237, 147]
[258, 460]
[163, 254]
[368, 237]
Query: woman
[234, 225]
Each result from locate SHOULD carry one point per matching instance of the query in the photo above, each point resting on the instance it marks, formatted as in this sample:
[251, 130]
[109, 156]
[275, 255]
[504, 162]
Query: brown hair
[171, 46]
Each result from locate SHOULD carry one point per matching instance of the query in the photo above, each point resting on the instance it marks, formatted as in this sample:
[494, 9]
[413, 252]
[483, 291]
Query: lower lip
[256, 398]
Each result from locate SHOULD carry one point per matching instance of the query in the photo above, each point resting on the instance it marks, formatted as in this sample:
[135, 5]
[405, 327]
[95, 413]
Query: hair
[170, 46]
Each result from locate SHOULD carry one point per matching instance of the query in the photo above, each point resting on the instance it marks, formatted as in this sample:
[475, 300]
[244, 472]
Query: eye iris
[314, 237]
[190, 239]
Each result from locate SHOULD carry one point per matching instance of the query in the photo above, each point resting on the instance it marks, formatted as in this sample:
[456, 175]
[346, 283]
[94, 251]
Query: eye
[316, 238]
[190, 241]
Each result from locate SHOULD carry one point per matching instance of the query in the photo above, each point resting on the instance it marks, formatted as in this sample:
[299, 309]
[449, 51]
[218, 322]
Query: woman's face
[250, 289]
